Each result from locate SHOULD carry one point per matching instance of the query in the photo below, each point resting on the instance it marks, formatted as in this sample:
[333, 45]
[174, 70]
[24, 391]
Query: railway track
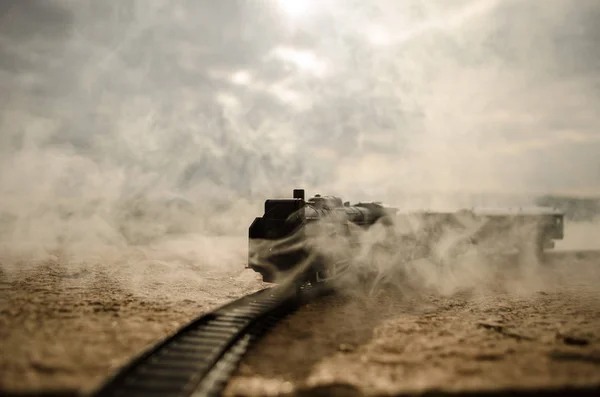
[200, 357]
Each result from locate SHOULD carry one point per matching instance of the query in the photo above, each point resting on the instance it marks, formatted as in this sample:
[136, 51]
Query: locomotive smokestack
[299, 194]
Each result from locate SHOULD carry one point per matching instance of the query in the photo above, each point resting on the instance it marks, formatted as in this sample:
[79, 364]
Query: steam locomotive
[318, 239]
[281, 242]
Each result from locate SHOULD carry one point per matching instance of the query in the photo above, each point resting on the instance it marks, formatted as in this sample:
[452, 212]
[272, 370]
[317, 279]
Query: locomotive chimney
[299, 194]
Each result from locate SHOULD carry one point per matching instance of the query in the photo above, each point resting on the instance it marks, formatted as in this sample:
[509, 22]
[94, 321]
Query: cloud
[216, 102]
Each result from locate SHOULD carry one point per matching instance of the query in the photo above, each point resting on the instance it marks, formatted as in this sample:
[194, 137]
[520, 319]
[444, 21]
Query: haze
[195, 111]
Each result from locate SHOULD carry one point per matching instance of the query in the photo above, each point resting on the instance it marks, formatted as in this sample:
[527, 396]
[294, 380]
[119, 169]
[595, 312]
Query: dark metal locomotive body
[279, 241]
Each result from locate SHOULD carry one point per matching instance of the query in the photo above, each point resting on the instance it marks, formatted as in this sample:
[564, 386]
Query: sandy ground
[67, 327]
[508, 334]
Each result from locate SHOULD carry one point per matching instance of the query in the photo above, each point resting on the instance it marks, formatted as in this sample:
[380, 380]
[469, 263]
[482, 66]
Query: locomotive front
[280, 241]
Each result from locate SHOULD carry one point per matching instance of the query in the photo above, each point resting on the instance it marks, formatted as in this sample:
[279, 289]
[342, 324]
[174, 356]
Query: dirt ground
[67, 327]
[393, 342]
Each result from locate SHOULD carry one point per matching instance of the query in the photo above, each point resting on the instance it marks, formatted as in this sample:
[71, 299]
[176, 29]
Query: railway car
[280, 242]
[529, 231]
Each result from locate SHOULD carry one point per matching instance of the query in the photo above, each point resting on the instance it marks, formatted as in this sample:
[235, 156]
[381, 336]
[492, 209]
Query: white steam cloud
[135, 123]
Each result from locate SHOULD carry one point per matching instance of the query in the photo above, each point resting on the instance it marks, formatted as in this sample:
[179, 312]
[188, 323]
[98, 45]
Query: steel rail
[200, 357]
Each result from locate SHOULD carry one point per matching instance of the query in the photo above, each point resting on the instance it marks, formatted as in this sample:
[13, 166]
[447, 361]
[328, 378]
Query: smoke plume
[156, 129]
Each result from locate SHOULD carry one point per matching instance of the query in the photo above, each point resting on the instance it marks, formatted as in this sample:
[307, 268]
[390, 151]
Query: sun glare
[378, 36]
[295, 8]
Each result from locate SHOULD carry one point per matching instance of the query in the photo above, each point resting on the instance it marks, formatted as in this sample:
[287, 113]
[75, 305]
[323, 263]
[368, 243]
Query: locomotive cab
[277, 240]
[282, 219]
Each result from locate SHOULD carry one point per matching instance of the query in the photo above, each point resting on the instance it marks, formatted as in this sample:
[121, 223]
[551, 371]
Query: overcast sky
[195, 98]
